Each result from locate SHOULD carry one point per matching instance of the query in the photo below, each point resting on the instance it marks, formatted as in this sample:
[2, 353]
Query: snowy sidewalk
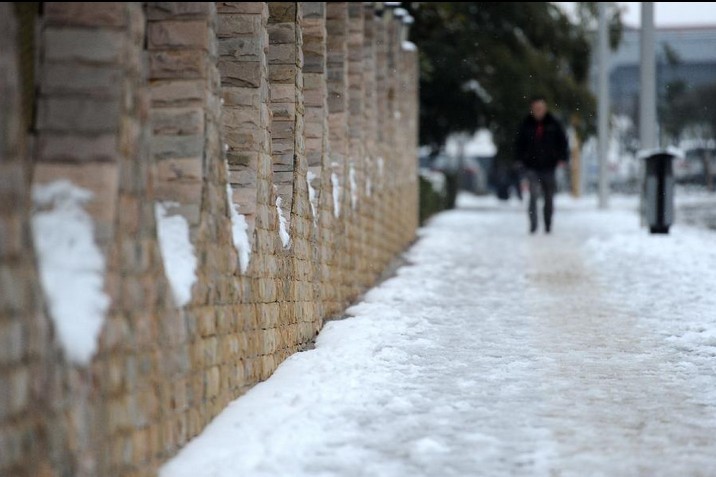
[590, 352]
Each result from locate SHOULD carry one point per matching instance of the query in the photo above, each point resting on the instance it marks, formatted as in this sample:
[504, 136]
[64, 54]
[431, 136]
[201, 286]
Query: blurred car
[697, 166]
[474, 176]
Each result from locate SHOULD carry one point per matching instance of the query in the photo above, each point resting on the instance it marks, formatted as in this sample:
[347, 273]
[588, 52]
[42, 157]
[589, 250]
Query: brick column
[410, 76]
[370, 138]
[381, 187]
[92, 110]
[356, 152]
[26, 355]
[393, 157]
[187, 147]
[244, 72]
[286, 83]
[315, 94]
[337, 48]
[178, 43]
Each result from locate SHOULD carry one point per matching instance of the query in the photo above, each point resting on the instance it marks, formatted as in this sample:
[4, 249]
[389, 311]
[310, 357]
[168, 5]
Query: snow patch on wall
[354, 187]
[239, 232]
[409, 46]
[282, 225]
[71, 267]
[312, 196]
[177, 251]
[335, 182]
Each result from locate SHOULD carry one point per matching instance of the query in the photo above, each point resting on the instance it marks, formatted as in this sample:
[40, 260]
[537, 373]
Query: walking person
[541, 146]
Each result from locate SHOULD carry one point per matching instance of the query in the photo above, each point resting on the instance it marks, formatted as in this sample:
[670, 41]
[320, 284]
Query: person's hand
[562, 164]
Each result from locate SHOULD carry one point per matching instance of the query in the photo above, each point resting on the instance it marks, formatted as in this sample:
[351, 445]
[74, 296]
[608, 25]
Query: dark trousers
[544, 183]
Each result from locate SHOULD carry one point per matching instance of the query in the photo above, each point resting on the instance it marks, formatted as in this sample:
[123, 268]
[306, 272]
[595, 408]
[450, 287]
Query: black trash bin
[659, 191]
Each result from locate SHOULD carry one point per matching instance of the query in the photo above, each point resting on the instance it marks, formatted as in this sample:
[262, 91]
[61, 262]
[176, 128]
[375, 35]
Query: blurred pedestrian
[541, 146]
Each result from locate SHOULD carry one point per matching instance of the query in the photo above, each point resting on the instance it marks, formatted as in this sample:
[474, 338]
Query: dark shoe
[548, 229]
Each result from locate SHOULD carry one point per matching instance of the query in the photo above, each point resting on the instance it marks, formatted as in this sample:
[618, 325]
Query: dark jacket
[545, 152]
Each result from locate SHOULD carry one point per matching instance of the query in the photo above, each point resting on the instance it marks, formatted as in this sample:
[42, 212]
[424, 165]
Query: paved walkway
[590, 352]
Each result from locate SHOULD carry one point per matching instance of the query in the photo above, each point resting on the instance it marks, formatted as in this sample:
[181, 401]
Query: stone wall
[249, 170]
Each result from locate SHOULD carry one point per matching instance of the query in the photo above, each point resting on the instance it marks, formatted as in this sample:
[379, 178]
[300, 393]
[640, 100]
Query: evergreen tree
[481, 61]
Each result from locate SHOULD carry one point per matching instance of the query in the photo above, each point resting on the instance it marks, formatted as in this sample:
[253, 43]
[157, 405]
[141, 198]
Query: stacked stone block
[140, 103]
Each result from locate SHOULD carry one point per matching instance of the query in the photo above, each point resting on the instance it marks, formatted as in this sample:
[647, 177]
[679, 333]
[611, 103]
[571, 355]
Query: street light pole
[647, 88]
[603, 105]
[647, 93]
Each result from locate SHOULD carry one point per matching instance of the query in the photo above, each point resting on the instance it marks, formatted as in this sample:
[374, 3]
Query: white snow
[409, 46]
[337, 191]
[312, 196]
[674, 151]
[436, 179]
[354, 186]
[479, 144]
[71, 266]
[177, 251]
[493, 352]
[239, 232]
[282, 224]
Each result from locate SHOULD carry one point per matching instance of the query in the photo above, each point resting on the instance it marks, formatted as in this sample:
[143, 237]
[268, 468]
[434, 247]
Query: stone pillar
[356, 92]
[370, 138]
[370, 126]
[410, 76]
[92, 108]
[187, 147]
[286, 84]
[80, 104]
[24, 331]
[178, 43]
[315, 94]
[337, 50]
[356, 151]
[394, 155]
[244, 71]
[381, 191]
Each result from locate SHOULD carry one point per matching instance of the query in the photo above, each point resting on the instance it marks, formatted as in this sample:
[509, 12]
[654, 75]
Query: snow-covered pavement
[590, 352]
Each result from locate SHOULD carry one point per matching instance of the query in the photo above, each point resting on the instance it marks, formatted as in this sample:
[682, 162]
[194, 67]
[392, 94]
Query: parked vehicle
[697, 166]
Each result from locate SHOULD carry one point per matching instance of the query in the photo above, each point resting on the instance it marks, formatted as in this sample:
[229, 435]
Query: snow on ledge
[409, 46]
[282, 225]
[676, 152]
[177, 251]
[335, 182]
[71, 267]
[312, 196]
[239, 232]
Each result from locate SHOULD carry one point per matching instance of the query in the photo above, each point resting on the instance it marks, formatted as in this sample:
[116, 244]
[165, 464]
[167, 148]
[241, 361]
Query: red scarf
[540, 130]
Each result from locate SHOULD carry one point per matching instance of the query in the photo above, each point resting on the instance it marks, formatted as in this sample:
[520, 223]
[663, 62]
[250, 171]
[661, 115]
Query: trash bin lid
[672, 152]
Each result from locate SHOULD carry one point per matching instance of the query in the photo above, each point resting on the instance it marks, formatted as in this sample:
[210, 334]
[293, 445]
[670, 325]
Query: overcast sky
[669, 13]
[673, 13]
